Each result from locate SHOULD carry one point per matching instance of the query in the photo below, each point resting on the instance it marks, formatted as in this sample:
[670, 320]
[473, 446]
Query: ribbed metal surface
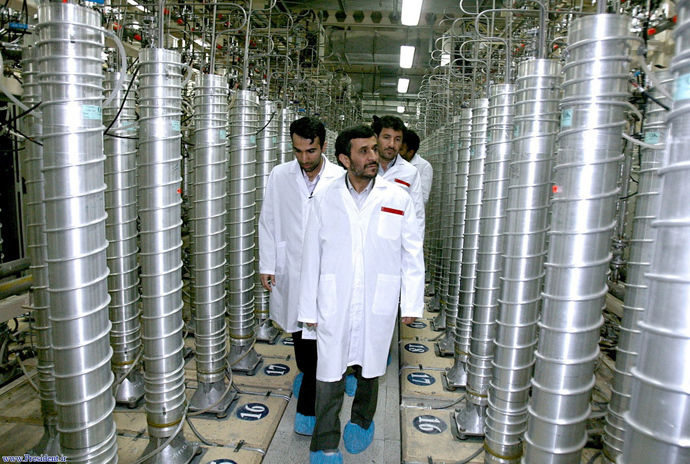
[160, 80]
[434, 222]
[462, 126]
[208, 218]
[35, 215]
[266, 156]
[657, 428]
[70, 45]
[121, 232]
[447, 178]
[243, 127]
[636, 285]
[491, 238]
[586, 172]
[287, 116]
[536, 123]
[470, 246]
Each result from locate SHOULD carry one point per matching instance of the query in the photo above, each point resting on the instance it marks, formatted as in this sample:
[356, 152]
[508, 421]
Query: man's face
[363, 162]
[308, 152]
[405, 153]
[389, 143]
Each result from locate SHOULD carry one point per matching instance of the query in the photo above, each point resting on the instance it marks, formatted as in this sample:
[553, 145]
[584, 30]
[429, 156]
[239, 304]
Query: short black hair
[388, 122]
[309, 128]
[411, 139]
[343, 143]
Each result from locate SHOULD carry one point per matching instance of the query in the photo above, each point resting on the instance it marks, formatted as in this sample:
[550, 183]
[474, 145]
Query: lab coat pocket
[387, 295]
[390, 224]
[281, 258]
[326, 299]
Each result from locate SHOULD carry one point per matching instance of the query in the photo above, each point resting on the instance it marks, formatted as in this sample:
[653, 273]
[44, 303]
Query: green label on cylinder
[91, 112]
[175, 125]
[252, 139]
[223, 134]
[567, 118]
[682, 89]
[652, 138]
[516, 131]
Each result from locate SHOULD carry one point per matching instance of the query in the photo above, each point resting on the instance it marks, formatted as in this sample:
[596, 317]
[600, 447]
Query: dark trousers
[329, 402]
[305, 356]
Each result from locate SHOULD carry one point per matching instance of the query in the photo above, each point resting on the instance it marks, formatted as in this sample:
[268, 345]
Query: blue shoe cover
[304, 425]
[350, 385]
[319, 457]
[297, 384]
[356, 438]
[390, 360]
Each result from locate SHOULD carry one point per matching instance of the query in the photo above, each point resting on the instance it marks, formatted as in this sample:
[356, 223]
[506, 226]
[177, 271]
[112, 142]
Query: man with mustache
[389, 133]
[362, 255]
[283, 219]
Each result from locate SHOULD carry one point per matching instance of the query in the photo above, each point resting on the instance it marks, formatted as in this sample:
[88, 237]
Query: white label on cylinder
[682, 88]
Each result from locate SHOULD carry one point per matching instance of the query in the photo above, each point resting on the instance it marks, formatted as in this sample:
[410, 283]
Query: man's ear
[344, 160]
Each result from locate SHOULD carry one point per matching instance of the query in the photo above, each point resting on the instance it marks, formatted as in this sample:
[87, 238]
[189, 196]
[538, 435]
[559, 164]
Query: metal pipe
[536, 123]
[636, 285]
[18, 265]
[121, 232]
[160, 87]
[657, 427]
[266, 151]
[585, 189]
[208, 244]
[37, 250]
[70, 43]
[457, 375]
[243, 126]
[490, 249]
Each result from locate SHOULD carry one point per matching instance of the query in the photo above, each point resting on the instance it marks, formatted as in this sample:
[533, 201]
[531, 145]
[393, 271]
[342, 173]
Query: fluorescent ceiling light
[403, 84]
[406, 56]
[411, 10]
[401, 109]
[132, 2]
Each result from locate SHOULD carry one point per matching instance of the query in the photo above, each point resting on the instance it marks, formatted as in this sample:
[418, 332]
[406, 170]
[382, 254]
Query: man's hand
[408, 320]
[268, 281]
[311, 324]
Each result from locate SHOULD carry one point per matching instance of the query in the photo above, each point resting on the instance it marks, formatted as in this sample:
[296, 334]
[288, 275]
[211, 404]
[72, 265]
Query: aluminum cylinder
[462, 126]
[266, 157]
[537, 93]
[636, 286]
[70, 43]
[657, 426]
[491, 238]
[121, 231]
[284, 154]
[209, 230]
[160, 83]
[243, 127]
[37, 248]
[587, 168]
[470, 246]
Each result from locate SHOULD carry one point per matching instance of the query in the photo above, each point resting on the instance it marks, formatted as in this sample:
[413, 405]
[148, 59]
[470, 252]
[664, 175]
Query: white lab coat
[426, 174]
[356, 266]
[404, 175]
[282, 224]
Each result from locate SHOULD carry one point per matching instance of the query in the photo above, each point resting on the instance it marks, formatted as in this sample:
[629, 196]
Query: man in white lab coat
[389, 133]
[362, 255]
[408, 151]
[282, 224]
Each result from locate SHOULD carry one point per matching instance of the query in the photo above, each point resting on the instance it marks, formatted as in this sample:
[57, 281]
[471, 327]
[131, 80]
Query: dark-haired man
[281, 234]
[389, 134]
[362, 255]
[408, 150]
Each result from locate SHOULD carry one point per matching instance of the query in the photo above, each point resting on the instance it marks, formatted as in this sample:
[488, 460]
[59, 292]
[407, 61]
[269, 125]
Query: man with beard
[389, 133]
[282, 223]
[362, 254]
[408, 151]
